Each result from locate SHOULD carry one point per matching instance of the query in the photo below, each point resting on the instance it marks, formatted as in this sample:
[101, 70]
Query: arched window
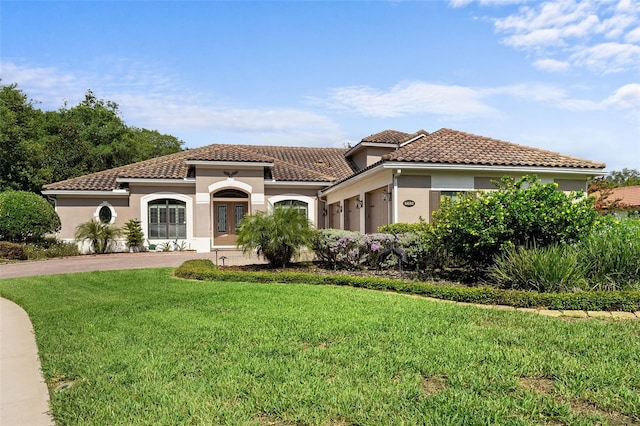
[167, 219]
[300, 205]
[230, 193]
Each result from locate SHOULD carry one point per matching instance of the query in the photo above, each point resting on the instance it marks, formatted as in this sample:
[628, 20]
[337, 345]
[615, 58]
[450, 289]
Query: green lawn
[143, 348]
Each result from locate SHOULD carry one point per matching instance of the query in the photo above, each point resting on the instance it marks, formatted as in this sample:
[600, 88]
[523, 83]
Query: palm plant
[100, 235]
[277, 236]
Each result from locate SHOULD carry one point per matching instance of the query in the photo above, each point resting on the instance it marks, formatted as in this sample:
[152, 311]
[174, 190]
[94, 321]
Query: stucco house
[199, 196]
[623, 201]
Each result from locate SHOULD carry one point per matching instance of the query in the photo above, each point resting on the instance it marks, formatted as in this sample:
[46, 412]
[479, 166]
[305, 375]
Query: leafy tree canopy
[39, 147]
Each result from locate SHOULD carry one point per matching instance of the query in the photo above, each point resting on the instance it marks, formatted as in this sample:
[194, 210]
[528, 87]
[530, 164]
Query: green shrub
[549, 269]
[26, 217]
[338, 249]
[50, 249]
[595, 301]
[520, 213]
[133, 232]
[277, 236]
[350, 250]
[404, 228]
[611, 255]
[12, 251]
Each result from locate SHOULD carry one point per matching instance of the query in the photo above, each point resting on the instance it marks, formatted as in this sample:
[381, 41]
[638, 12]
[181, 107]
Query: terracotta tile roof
[289, 164]
[454, 147]
[329, 162]
[302, 164]
[391, 137]
[629, 196]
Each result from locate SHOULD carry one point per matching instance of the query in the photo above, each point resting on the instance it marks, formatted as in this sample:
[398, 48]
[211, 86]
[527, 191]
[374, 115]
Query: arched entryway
[229, 208]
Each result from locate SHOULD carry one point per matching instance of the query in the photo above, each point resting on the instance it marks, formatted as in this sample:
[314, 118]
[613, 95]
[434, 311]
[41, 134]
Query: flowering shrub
[520, 213]
[353, 250]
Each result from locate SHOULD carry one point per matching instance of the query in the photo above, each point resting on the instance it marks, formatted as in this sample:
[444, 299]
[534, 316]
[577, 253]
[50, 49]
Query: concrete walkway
[24, 397]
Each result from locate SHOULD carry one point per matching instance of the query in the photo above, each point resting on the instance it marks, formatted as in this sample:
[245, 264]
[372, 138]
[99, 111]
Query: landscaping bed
[202, 269]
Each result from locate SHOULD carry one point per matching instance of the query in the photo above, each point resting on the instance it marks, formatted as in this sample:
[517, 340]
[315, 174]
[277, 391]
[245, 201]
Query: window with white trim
[300, 205]
[167, 219]
[105, 213]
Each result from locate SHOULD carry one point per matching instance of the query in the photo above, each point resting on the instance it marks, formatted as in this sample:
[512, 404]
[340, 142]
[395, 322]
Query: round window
[105, 214]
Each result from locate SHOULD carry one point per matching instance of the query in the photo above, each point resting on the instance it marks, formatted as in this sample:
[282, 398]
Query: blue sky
[558, 75]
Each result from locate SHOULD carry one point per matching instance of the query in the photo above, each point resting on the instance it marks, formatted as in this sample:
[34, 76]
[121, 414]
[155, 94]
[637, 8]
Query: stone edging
[616, 315]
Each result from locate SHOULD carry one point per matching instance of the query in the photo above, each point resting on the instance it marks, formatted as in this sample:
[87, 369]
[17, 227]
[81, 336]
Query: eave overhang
[238, 164]
[87, 193]
[151, 181]
[284, 183]
[405, 165]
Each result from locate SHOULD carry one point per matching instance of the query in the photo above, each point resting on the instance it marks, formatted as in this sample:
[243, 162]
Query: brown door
[226, 219]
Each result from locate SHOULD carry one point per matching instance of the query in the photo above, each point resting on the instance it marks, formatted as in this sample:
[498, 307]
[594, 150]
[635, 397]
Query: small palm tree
[277, 236]
[100, 235]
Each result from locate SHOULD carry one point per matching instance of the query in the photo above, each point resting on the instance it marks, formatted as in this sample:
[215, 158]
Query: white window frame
[144, 211]
[114, 215]
[311, 204]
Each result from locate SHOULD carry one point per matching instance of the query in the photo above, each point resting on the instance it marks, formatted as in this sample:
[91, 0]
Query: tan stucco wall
[412, 188]
[378, 209]
[356, 189]
[369, 155]
[76, 210]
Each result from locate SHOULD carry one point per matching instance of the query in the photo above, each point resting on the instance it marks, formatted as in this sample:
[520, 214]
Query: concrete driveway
[107, 262]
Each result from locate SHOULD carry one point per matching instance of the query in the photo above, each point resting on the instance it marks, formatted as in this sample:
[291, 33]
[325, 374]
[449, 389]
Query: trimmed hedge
[12, 251]
[628, 301]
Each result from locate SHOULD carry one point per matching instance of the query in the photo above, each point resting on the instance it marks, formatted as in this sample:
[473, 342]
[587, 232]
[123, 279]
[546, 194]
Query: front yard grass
[141, 347]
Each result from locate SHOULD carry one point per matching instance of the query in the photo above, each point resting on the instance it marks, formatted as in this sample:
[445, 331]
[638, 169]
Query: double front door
[227, 218]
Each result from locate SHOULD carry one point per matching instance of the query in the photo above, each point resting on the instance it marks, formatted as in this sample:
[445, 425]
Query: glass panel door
[238, 215]
[221, 218]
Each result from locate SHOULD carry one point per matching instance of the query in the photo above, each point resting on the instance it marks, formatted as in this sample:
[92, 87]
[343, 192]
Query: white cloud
[464, 103]
[633, 36]
[626, 97]
[608, 57]
[414, 97]
[603, 36]
[552, 65]
[149, 98]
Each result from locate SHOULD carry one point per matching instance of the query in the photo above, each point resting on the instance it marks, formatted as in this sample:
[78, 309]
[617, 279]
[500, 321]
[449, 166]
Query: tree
[26, 217]
[151, 143]
[22, 157]
[624, 177]
[277, 236]
[101, 236]
[39, 147]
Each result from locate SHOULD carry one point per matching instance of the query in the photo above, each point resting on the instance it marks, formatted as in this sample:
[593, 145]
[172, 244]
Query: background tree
[22, 157]
[26, 217]
[624, 177]
[39, 147]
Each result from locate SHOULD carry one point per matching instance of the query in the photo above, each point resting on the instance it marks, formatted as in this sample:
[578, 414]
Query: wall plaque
[408, 203]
